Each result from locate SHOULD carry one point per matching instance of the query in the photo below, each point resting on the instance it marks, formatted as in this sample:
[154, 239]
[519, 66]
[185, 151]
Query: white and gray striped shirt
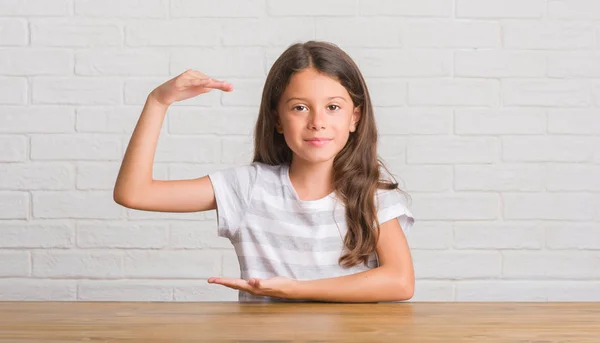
[275, 233]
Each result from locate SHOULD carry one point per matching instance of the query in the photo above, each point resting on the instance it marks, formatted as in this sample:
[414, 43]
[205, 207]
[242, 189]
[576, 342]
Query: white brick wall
[488, 110]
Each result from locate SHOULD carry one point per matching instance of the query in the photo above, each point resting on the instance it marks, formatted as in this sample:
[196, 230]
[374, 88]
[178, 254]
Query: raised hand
[187, 85]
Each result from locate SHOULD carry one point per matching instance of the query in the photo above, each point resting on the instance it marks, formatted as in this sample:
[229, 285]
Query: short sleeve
[389, 206]
[233, 191]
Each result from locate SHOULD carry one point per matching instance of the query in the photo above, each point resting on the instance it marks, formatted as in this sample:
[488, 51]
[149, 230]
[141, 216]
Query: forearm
[375, 285]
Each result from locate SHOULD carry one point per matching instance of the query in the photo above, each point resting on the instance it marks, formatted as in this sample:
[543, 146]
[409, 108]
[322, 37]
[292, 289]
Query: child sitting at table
[313, 217]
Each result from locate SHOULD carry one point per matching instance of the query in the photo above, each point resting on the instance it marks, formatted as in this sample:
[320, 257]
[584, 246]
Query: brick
[574, 121]
[13, 32]
[15, 263]
[77, 91]
[574, 64]
[556, 93]
[75, 204]
[76, 147]
[423, 8]
[146, 62]
[193, 171]
[247, 93]
[361, 32]
[454, 92]
[456, 264]
[266, 31]
[198, 291]
[187, 149]
[392, 149]
[403, 63]
[432, 291]
[501, 290]
[431, 236]
[124, 235]
[293, 8]
[223, 121]
[102, 175]
[547, 148]
[387, 92]
[488, 9]
[450, 150]
[79, 32]
[494, 63]
[211, 9]
[552, 264]
[37, 176]
[35, 8]
[124, 290]
[574, 9]
[169, 33]
[121, 8]
[137, 91]
[231, 265]
[35, 61]
[551, 206]
[498, 235]
[547, 35]
[196, 235]
[37, 119]
[13, 148]
[574, 291]
[13, 91]
[14, 205]
[452, 34]
[573, 178]
[109, 119]
[242, 62]
[77, 264]
[417, 178]
[457, 206]
[171, 264]
[37, 290]
[37, 234]
[504, 177]
[573, 236]
[499, 121]
[236, 150]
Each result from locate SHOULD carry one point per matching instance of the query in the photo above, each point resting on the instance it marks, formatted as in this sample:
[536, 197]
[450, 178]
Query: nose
[317, 120]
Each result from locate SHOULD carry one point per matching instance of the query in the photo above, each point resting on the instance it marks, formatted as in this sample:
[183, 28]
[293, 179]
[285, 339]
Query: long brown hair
[356, 168]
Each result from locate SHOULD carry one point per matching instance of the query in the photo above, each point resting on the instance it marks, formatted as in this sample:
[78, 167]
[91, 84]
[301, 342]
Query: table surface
[153, 322]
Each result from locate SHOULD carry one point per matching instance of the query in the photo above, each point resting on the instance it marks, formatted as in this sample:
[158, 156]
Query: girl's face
[316, 115]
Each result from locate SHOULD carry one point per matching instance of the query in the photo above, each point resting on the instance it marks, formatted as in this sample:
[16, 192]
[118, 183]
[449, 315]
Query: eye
[335, 109]
[298, 107]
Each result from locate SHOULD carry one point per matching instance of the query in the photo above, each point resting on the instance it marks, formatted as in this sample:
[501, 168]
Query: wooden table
[298, 322]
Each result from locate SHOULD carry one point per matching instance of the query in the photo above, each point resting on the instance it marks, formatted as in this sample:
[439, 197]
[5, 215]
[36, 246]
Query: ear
[355, 118]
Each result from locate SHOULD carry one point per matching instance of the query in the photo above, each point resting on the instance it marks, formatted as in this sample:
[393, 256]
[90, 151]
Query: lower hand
[279, 286]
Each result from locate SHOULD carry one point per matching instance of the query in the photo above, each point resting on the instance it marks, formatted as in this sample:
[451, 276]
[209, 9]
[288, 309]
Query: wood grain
[134, 322]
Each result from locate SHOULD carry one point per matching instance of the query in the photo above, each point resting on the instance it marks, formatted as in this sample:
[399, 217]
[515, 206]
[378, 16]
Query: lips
[318, 139]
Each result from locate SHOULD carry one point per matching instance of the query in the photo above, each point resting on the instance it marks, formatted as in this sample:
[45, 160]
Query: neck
[312, 180]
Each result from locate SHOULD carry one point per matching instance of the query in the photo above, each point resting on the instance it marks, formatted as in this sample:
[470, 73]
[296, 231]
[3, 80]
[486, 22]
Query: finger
[254, 283]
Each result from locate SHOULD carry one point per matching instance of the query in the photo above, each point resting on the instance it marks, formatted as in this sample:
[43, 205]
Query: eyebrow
[330, 98]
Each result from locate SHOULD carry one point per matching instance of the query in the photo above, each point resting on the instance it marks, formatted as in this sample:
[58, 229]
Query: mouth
[318, 141]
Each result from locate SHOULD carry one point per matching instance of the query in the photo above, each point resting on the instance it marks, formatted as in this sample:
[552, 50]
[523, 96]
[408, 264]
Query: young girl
[312, 218]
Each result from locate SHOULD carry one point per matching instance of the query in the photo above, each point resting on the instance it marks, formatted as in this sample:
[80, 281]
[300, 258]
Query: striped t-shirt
[275, 233]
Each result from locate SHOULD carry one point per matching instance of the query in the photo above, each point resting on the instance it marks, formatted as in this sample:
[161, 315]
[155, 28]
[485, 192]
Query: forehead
[310, 83]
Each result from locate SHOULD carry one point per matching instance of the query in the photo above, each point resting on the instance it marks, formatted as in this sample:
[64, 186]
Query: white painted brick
[360, 32]
[77, 91]
[450, 150]
[267, 31]
[37, 234]
[137, 91]
[151, 215]
[551, 264]
[13, 32]
[405, 63]
[558, 93]
[79, 32]
[560, 235]
[501, 291]
[13, 91]
[196, 235]
[294, 8]
[500, 9]
[36, 62]
[452, 34]
[551, 35]
[13, 148]
[574, 121]
[581, 291]
[208, 8]
[239, 62]
[426, 291]
[423, 8]
[574, 9]
[431, 235]
[498, 235]
[553, 206]
[15, 263]
[392, 149]
[200, 291]
[76, 147]
[387, 92]
[236, 150]
[574, 64]
[417, 178]
[77, 264]
[457, 206]
[124, 290]
[456, 264]
[171, 264]
[121, 8]
[245, 93]
[14, 205]
[230, 121]
[495, 63]
[103, 175]
[187, 149]
[231, 265]
[37, 176]
[109, 119]
[37, 290]
[35, 8]
[193, 171]
[122, 62]
[169, 33]
[37, 119]
[574, 177]
[74, 204]
[504, 177]
[454, 92]
[547, 148]
[499, 121]
[105, 234]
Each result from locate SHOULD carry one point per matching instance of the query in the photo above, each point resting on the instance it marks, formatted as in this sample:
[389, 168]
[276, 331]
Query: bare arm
[135, 187]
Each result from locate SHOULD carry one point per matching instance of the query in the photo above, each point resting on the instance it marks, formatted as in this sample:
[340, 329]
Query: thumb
[255, 283]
